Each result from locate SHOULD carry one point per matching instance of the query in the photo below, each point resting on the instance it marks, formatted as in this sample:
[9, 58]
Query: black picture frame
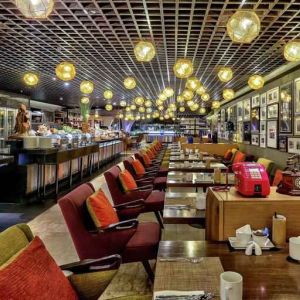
[286, 99]
[282, 143]
[272, 111]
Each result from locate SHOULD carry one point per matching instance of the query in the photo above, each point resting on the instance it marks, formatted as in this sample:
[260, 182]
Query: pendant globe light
[108, 94]
[160, 108]
[159, 102]
[148, 103]
[144, 51]
[65, 71]
[30, 79]
[123, 103]
[35, 9]
[129, 83]
[292, 50]
[215, 104]
[142, 109]
[86, 87]
[168, 92]
[225, 74]
[139, 100]
[202, 110]
[190, 103]
[149, 110]
[183, 68]
[132, 107]
[148, 116]
[194, 107]
[162, 97]
[256, 82]
[108, 107]
[180, 99]
[187, 94]
[127, 109]
[182, 109]
[243, 26]
[121, 116]
[205, 97]
[228, 94]
[192, 83]
[201, 90]
[85, 100]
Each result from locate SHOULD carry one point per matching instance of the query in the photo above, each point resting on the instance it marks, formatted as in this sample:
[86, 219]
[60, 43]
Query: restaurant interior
[150, 149]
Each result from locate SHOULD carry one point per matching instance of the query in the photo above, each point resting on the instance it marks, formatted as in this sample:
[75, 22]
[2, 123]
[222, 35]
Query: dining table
[197, 167]
[270, 276]
[180, 208]
[192, 158]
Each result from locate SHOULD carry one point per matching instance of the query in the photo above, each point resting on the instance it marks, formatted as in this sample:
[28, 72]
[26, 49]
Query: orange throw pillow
[100, 210]
[127, 181]
[33, 274]
[239, 157]
[147, 160]
[150, 154]
[138, 167]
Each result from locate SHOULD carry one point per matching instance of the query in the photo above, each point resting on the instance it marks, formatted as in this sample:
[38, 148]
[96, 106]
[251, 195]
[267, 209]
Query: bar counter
[49, 166]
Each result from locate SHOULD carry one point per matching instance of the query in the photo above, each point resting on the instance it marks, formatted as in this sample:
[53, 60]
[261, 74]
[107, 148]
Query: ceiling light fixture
[129, 83]
[30, 78]
[292, 50]
[256, 82]
[183, 68]
[65, 71]
[228, 94]
[225, 74]
[144, 51]
[108, 94]
[243, 26]
[35, 9]
[86, 87]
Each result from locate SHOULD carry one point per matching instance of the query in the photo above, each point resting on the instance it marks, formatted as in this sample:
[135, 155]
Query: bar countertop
[5, 159]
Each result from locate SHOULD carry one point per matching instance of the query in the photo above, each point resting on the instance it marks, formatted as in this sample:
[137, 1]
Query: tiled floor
[50, 226]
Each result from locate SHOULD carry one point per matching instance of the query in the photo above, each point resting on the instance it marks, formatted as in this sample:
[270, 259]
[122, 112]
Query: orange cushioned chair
[277, 178]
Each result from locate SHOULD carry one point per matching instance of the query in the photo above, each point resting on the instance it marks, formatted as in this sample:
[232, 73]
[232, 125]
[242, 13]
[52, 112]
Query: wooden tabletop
[269, 276]
[183, 179]
[181, 210]
[196, 167]
[192, 158]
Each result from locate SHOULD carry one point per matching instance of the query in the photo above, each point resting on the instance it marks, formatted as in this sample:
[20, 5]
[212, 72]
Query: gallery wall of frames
[267, 119]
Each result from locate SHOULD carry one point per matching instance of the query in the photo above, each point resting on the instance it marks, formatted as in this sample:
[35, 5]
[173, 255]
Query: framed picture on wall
[297, 96]
[263, 100]
[255, 119]
[282, 143]
[297, 125]
[240, 109]
[262, 128]
[294, 145]
[273, 96]
[247, 109]
[272, 111]
[263, 113]
[239, 132]
[247, 132]
[255, 101]
[255, 139]
[272, 134]
[262, 140]
[285, 108]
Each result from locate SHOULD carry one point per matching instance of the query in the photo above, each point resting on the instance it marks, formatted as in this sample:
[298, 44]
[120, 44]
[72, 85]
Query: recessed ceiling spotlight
[66, 84]
[61, 98]
[114, 103]
[54, 78]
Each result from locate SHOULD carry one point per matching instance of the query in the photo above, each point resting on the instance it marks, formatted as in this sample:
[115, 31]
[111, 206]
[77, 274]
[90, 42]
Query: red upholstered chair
[142, 178]
[134, 241]
[153, 199]
[153, 166]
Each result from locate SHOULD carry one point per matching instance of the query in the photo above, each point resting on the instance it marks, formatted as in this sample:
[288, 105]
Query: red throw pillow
[127, 181]
[147, 160]
[228, 154]
[100, 210]
[33, 274]
[138, 167]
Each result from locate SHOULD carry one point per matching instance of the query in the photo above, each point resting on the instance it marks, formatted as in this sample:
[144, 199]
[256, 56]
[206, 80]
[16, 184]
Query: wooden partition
[216, 149]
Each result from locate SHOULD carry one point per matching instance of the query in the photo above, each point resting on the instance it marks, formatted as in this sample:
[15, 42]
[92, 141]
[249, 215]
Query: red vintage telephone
[251, 179]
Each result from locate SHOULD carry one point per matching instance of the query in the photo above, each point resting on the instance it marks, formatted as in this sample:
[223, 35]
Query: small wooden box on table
[227, 211]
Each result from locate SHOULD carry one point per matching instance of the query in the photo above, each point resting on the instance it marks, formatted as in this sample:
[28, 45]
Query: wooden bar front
[227, 211]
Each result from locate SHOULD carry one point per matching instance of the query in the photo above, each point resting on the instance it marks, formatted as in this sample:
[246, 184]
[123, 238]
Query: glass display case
[7, 123]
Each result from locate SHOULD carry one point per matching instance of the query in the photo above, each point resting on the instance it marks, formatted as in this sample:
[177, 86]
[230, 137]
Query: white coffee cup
[294, 247]
[231, 287]
[200, 202]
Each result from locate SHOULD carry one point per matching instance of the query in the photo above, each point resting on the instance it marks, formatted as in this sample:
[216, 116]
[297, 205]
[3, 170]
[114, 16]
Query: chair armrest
[144, 179]
[147, 187]
[130, 204]
[128, 224]
[94, 265]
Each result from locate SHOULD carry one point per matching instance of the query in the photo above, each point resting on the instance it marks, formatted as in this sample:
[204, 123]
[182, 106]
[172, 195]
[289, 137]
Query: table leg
[81, 168]
[70, 173]
[38, 180]
[56, 179]
[44, 181]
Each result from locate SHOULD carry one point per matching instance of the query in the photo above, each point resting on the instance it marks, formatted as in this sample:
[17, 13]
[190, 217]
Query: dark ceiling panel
[99, 36]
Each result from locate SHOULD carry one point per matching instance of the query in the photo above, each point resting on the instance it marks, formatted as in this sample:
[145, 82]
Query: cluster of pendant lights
[242, 27]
